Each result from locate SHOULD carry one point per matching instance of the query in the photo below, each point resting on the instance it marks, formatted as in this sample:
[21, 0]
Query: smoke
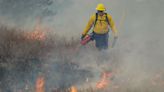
[22, 13]
[138, 55]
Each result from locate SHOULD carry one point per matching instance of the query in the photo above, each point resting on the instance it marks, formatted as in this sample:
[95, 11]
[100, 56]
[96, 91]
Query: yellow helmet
[100, 7]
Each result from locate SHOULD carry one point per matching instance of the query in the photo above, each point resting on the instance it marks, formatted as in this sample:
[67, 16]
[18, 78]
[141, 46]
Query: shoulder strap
[97, 19]
[107, 18]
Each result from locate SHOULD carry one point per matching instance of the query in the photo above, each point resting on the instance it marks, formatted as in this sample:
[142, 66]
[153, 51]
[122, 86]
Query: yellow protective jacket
[101, 26]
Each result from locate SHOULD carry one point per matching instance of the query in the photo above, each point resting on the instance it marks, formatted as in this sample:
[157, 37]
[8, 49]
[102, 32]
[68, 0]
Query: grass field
[24, 56]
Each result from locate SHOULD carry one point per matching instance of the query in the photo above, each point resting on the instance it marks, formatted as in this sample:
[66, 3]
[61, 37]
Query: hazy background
[139, 52]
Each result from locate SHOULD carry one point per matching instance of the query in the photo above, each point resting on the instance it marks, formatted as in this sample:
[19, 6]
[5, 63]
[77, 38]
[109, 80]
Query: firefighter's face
[100, 13]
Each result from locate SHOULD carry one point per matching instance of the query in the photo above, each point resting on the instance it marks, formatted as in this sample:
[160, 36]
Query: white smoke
[139, 51]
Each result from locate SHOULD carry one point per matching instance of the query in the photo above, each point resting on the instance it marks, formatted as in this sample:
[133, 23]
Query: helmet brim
[100, 9]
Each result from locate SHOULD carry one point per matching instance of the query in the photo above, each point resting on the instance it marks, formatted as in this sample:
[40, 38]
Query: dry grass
[22, 60]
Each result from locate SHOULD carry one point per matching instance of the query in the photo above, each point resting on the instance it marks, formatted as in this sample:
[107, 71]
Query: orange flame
[73, 89]
[104, 82]
[38, 33]
[40, 84]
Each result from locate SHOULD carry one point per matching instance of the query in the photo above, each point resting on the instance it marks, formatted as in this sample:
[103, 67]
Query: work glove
[82, 37]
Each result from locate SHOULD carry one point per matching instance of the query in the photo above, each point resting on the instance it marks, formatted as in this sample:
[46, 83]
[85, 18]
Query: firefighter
[100, 23]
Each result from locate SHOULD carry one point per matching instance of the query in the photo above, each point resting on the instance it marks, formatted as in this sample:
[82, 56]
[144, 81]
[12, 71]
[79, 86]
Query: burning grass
[39, 61]
[23, 55]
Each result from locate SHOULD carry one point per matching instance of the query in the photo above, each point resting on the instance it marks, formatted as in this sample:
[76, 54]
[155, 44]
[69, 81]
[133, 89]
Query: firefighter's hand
[82, 36]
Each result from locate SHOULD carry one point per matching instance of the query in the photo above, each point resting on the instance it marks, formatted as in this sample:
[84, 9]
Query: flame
[104, 82]
[40, 84]
[73, 89]
[38, 33]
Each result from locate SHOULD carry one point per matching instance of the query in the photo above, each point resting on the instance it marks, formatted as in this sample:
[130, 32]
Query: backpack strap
[97, 19]
[107, 18]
